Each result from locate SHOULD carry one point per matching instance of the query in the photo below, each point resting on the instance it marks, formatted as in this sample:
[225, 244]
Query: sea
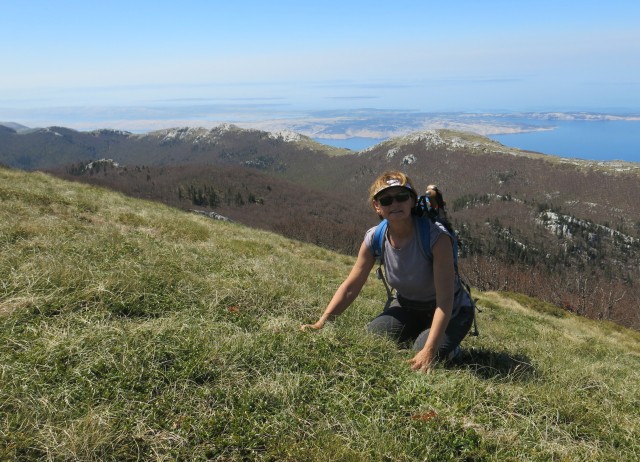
[584, 139]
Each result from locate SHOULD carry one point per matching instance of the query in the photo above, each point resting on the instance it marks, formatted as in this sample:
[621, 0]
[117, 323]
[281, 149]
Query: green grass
[132, 331]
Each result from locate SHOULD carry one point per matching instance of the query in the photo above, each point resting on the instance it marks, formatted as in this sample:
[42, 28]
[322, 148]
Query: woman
[430, 307]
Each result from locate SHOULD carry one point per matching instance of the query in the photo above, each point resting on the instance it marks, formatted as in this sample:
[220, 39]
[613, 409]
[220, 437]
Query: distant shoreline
[586, 135]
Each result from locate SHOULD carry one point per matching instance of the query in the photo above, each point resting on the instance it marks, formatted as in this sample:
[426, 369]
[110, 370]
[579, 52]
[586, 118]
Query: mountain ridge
[53, 146]
[434, 138]
[528, 222]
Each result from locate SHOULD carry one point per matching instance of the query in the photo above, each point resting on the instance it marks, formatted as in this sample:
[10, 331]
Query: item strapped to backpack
[425, 211]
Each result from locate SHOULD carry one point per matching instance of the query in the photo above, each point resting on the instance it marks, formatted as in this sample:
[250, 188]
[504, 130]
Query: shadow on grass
[489, 364]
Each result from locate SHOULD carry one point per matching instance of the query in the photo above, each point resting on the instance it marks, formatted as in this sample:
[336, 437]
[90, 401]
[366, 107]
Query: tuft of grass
[132, 331]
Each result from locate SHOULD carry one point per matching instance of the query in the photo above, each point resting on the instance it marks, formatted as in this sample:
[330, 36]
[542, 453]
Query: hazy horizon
[147, 65]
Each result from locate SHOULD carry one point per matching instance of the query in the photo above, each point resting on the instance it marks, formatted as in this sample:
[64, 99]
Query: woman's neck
[400, 232]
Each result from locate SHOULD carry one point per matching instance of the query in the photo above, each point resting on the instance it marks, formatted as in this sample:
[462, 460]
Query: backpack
[430, 207]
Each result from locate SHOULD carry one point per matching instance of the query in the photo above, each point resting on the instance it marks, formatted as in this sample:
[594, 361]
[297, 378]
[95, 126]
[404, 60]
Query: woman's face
[394, 203]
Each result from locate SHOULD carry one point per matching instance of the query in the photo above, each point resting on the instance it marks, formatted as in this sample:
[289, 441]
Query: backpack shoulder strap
[377, 246]
[425, 239]
[424, 232]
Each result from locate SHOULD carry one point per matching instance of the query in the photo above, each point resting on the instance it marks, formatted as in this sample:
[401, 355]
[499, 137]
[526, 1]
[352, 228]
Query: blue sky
[95, 60]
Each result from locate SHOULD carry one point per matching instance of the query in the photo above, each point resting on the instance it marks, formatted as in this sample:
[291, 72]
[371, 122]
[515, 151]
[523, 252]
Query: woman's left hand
[423, 361]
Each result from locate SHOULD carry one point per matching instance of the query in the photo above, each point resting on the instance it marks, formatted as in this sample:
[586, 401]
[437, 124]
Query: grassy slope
[131, 331]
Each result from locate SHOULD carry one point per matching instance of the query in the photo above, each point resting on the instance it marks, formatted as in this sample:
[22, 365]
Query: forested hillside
[564, 230]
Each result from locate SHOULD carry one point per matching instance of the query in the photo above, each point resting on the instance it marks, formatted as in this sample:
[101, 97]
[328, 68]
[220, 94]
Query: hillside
[47, 148]
[563, 230]
[135, 331]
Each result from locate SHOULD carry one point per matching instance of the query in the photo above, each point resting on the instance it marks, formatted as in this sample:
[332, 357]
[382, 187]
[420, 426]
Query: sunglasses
[400, 197]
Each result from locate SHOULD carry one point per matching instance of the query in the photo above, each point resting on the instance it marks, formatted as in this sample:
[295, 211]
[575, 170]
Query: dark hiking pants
[409, 321]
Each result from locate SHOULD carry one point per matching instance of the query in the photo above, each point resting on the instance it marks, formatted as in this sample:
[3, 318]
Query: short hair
[388, 180]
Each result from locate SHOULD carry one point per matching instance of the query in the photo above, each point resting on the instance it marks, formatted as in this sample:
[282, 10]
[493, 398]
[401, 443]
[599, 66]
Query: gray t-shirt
[410, 272]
